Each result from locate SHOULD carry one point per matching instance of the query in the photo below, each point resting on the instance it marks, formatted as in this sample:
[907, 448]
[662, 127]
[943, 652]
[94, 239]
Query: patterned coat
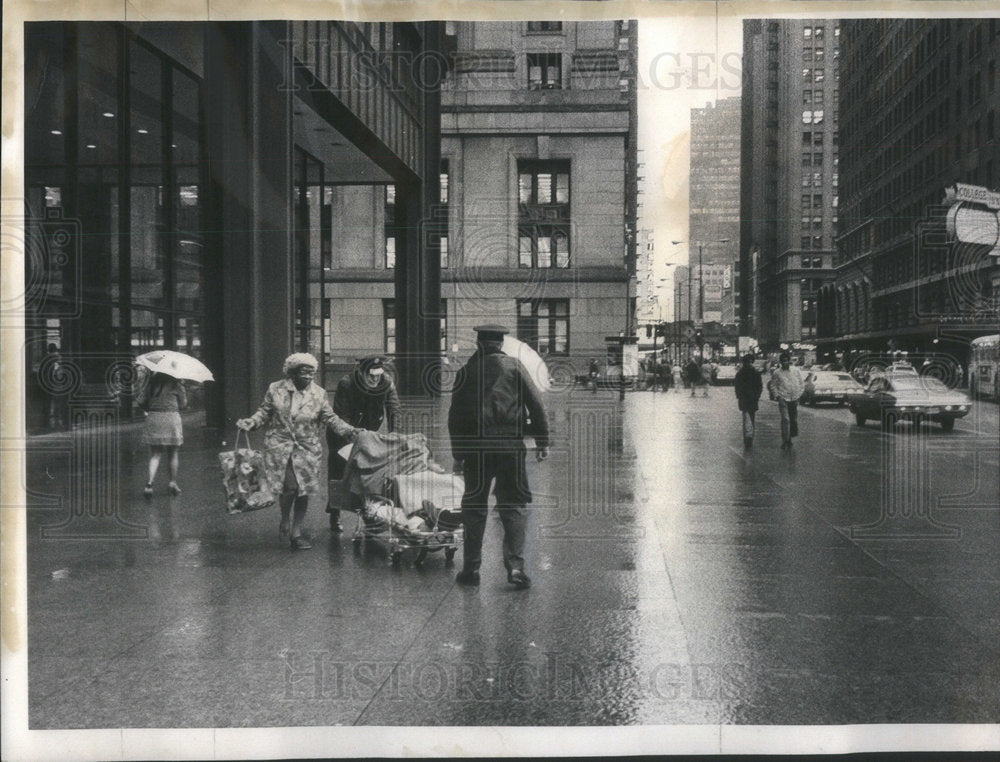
[296, 437]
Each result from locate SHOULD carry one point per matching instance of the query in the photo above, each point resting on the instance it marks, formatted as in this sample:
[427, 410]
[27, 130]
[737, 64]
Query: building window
[807, 97]
[817, 242]
[390, 252]
[544, 71]
[818, 97]
[818, 75]
[390, 226]
[807, 117]
[543, 214]
[544, 26]
[443, 182]
[441, 214]
[389, 325]
[806, 241]
[543, 324]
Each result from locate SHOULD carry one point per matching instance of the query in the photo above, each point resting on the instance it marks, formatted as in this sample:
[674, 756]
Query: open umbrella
[533, 364]
[175, 364]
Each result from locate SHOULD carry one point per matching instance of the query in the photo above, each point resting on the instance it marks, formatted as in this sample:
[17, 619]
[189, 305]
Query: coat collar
[289, 386]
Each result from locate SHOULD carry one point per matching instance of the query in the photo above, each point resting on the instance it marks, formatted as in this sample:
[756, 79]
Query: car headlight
[947, 407]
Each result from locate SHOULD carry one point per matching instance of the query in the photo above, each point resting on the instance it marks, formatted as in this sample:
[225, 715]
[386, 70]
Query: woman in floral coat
[296, 410]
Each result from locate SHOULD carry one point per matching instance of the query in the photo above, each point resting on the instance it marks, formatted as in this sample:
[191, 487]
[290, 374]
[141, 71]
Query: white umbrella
[175, 364]
[532, 362]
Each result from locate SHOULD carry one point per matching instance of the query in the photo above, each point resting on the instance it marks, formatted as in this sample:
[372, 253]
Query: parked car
[893, 397]
[830, 386]
[726, 374]
[901, 369]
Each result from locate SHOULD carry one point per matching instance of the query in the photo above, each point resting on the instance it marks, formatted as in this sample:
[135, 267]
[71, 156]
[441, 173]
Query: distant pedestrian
[592, 375]
[493, 398]
[294, 409]
[675, 371]
[364, 398]
[786, 387]
[749, 386]
[57, 414]
[692, 374]
[663, 375]
[706, 377]
[163, 397]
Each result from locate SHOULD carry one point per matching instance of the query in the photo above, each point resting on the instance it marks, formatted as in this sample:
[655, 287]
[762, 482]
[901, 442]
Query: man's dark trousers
[505, 465]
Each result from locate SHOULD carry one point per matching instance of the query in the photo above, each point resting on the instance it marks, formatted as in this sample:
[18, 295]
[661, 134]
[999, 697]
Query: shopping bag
[243, 478]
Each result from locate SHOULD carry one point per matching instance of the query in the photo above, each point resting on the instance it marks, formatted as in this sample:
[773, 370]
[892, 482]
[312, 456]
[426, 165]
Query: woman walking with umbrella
[163, 397]
[295, 409]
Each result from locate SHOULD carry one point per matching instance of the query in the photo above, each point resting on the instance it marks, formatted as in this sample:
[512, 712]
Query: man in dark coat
[749, 386]
[693, 374]
[364, 397]
[492, 400]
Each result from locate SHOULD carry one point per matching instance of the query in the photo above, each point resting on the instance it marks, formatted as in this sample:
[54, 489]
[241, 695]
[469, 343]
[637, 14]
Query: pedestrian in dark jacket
[693, 374]
[364, 398]
[749, 386]
[492, 399]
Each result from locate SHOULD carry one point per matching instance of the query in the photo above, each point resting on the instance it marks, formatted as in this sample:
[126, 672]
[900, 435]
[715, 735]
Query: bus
[984, 367]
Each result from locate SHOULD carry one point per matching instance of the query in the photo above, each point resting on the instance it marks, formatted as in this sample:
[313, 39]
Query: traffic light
[699, 339]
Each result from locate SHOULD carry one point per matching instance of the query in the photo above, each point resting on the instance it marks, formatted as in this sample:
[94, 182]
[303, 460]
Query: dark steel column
[248, 233]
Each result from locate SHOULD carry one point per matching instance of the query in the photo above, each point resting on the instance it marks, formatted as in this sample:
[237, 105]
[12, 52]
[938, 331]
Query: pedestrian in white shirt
[786, 386]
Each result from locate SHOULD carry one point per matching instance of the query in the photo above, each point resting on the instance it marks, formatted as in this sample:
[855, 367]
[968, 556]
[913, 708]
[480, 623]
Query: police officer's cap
[374, 364]
[491, 332]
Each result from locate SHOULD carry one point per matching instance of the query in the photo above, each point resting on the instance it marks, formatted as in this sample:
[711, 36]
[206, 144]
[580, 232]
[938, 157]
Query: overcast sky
[684, 63]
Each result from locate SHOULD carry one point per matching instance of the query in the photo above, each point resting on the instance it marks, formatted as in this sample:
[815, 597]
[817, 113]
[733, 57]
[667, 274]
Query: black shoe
[300, 543]
[748, 442]
[518, 579]
[469, 578]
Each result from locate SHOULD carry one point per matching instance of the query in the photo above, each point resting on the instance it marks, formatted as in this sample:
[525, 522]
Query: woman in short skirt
[163, 398]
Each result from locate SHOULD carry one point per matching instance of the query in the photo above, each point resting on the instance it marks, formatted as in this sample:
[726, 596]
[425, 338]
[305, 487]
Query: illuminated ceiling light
[91, 145]
[143, 132]
[57, 132]
[109, 115]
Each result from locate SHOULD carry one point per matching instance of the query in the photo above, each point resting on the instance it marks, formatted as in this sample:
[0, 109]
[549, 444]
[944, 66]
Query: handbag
[242, 478]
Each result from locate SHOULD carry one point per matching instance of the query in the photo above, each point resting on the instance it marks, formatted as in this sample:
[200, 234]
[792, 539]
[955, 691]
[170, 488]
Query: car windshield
[918, 384]
[843, 377]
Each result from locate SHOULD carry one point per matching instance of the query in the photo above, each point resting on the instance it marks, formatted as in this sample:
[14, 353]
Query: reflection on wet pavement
[678, 579]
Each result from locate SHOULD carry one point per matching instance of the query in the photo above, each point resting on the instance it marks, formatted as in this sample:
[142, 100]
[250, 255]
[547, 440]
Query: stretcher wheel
[421, 557]
[449, 557]
[396, 558]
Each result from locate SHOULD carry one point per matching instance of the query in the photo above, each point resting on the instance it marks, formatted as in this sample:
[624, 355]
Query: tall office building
[714, 210]
[188, 187]
[919, 118]
[538, 143]
[789, 175]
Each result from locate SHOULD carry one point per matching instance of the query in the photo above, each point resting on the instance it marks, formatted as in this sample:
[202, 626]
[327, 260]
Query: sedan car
[914, 398]
[830, 386]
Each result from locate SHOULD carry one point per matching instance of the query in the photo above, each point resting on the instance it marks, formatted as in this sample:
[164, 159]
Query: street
[677, 579]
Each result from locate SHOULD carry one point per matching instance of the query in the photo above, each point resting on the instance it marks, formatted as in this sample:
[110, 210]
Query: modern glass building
[181, 184]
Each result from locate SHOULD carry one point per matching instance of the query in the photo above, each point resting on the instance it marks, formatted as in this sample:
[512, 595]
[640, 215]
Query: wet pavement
[678, 579]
